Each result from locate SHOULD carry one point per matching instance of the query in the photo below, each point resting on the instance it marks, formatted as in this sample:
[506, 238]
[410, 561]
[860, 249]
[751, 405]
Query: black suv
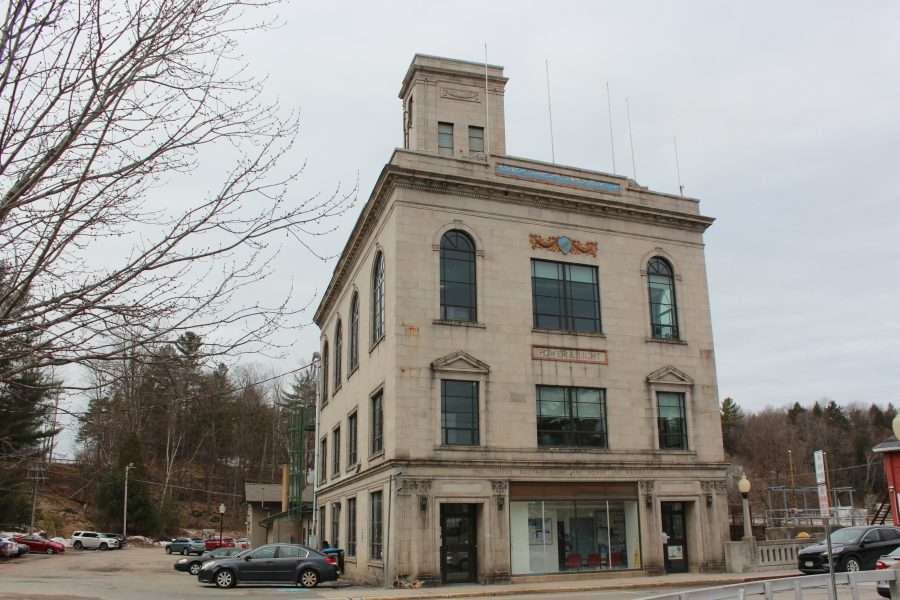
[273, 563]
[852, 548]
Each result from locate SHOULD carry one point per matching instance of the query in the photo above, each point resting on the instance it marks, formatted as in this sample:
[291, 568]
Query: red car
[213, 543]
[40, 544]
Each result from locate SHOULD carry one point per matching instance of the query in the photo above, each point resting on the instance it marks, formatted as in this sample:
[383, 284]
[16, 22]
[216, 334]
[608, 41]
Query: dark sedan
[853, 549]
[192, 564]
[273, 563]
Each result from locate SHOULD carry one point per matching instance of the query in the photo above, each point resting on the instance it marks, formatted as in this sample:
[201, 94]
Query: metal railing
[843, 516]
[794, 585]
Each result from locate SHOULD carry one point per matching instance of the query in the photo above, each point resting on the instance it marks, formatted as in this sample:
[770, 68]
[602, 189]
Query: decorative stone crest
[646, 487]
[562, 244]
[500, 487]
[409, 487]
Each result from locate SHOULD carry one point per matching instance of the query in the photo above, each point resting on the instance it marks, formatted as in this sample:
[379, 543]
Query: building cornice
[394, 176]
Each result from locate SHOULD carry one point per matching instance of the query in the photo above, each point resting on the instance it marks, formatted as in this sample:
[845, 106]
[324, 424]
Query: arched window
[325, 372]
[663, 311]
[457, 277]
[378, 298]
[354, 332]
[338, 346]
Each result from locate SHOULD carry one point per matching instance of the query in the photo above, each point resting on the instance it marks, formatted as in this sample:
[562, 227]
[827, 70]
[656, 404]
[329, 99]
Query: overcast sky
[786, 115]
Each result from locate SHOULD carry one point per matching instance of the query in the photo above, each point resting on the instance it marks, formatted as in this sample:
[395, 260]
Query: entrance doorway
[675, 547]
[459, 549]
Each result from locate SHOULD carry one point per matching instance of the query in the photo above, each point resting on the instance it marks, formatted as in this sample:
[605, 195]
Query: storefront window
[574, 535]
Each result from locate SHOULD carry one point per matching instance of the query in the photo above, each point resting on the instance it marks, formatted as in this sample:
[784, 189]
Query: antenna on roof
[487, 117]
[550, 111]
[630, 138]
[677, 166]
[612, 143]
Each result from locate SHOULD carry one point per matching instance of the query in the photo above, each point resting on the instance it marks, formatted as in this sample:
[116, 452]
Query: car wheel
[194, 569]
[78, 545]
[104, 547]
[168, 550]
[308, 578]
[225, 579]
[49, 550]
[185, 552]
[851, 564]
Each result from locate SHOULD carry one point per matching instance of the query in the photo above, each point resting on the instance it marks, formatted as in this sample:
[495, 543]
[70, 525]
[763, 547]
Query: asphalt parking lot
[148, 573]
[130, 574]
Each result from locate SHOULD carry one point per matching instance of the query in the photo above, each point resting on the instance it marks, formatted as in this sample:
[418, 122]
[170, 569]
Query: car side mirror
[247, 557]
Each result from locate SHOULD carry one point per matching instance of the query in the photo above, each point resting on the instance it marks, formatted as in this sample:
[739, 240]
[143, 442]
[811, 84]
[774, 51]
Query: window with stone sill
[663, 308]
[565, 296]
[445, 139]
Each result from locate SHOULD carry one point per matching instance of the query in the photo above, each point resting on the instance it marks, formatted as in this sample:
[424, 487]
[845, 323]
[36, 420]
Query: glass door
[459, 559]
[674, 537]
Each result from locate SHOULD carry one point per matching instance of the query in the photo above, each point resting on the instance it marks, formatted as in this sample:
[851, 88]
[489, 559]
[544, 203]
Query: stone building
[518, 366]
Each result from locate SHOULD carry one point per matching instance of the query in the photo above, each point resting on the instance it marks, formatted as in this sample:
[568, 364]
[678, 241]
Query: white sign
[675, 552]
[821, 482]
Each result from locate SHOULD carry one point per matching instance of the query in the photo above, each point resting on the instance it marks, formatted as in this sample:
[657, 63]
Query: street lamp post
[221, 521]
[744, 489]
[125, 503]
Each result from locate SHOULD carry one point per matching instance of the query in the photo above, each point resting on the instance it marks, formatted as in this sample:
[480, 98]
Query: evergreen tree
[794, 412]
[732, 418]
[143, 518]
[25, 410]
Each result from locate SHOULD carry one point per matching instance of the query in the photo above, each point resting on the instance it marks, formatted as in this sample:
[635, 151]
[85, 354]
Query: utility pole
[125, 503]
[35, 474]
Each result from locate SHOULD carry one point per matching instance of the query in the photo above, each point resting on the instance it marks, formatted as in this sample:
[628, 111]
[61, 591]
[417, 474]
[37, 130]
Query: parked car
[186, 546]
[272, 563]
[91, 540]
[8, 547]
[852, 548]
[213, 543]
[887, 562]
[192, 565]
[118, 536]
[40, 544]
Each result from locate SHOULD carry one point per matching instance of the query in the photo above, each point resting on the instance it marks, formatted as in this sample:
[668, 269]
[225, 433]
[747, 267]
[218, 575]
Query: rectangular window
[377, 420]
[352, 450]
[323, 461]
[571, 417]
[671, 420]
[336, 452]
[587, 534]
[351, 526]
[565, 296]
[321, 524]
[476, 139]
[459, 413]
[375, 546]
[445, 139]
[335, 525]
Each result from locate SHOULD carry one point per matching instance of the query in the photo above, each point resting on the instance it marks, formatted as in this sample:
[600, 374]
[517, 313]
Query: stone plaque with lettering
[578, 355]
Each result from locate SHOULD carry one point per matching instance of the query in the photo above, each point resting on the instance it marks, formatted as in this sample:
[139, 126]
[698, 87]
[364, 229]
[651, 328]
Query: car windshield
[846, 536]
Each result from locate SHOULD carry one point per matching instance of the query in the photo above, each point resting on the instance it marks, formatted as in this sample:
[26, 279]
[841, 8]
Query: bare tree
[101, 105]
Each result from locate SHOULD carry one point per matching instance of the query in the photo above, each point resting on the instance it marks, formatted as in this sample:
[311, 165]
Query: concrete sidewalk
[684, 580]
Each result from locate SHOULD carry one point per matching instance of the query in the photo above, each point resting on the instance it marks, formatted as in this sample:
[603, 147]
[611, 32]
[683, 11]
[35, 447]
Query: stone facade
[515, 210]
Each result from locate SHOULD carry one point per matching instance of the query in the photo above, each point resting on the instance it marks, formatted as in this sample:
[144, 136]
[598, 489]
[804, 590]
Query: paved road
[147, 574]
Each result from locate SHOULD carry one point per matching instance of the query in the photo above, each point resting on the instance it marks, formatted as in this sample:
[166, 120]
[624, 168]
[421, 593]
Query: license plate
[808, 563]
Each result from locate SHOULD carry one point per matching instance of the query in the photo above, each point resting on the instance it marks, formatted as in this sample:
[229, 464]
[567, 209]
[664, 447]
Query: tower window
[445, 139]
[476, 139]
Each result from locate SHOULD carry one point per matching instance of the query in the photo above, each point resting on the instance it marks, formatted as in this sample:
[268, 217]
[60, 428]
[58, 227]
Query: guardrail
[796, 585]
